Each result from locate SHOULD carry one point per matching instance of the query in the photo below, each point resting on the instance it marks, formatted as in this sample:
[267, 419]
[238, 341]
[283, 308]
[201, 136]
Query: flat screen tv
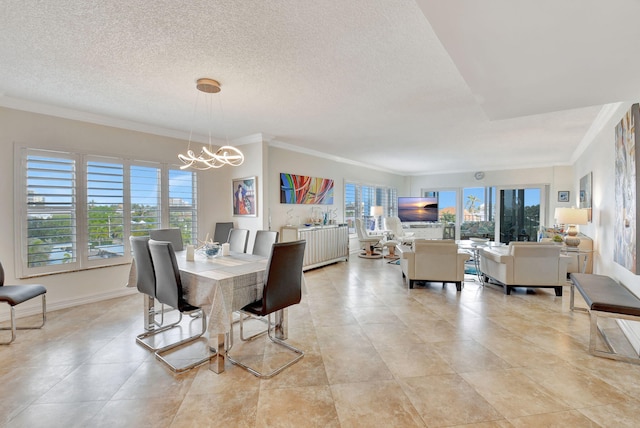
[417, 209]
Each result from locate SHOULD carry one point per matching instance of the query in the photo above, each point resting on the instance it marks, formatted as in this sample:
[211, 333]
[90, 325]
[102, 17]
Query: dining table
[219, 286]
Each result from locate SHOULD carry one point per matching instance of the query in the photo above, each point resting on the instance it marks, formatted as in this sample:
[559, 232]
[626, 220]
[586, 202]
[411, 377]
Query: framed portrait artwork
[585, 193]
[563, 196]
[245, 197]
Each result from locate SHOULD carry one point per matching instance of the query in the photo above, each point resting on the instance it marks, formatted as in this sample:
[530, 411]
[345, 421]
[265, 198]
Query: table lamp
[571, 217]
[376, 211]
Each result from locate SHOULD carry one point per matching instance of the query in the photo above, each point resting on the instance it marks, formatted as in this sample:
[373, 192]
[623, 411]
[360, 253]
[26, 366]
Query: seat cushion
[16, 294]
[254, 308]
[602, 293]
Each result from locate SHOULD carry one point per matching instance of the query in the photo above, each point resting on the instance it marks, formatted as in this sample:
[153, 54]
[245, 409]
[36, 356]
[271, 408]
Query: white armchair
[433, 261]
[525, 264]
[394, 225]
[368, 243]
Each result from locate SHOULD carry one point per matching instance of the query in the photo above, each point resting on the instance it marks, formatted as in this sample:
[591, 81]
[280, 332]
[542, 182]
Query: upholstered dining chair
[221, 232]
[264, 240]
[146, 284]
[14, 295]
[238, 240]
[282, 288]
[169, 291]
[172, 235]
[368, 243]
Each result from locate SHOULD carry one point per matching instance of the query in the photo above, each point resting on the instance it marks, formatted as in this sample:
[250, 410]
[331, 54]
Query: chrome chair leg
[277, 341]
[241, 320]
[161, 352]
[13, 327]
[140, 338]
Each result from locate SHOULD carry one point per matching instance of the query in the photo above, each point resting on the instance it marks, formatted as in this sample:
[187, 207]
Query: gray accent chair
[238, 240]
[169, 292]
[264, 241]
[146, 284]
[14, 295]
[221, 233]
[172, 235]
[283, 288]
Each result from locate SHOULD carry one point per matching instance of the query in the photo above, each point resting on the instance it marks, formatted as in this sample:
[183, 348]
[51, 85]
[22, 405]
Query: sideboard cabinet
[325, 244]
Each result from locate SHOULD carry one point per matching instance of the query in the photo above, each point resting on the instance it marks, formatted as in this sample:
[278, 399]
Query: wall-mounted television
[412, 208]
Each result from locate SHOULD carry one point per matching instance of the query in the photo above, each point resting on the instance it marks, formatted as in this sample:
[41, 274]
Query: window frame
[386, 196]
[80, 210]
[496, 210]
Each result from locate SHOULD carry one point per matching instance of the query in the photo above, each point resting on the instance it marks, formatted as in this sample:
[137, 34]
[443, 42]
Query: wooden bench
[608, 299]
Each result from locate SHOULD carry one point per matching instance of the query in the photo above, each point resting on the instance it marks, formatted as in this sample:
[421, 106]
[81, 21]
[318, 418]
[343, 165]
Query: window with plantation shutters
[48, 212]
[76, 211]
[145, 198]
[359, 198]
[182, 204]
[105, 209]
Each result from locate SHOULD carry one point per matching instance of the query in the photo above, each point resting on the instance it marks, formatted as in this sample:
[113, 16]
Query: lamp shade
[376, 210]
[571, 216]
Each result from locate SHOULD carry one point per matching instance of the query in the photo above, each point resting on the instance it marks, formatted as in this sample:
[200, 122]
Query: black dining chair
[282, 288]
[146, 284]
[173, 235]
[14, 295]
[221, 232]
[264, 241]
[169, 291]
[238, 240]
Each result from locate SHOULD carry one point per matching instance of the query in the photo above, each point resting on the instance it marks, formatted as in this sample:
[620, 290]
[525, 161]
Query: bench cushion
[16, 294]
[601, 293]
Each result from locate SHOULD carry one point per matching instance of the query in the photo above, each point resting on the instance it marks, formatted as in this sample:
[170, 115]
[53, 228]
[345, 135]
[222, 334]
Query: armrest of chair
[497, 264]
[463, 256]
[563, 265]
[496, 256]
[406, 252]
[407, 259]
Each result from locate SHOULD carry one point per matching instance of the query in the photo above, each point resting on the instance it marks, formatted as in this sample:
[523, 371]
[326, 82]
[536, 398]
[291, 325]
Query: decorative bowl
[212, 250]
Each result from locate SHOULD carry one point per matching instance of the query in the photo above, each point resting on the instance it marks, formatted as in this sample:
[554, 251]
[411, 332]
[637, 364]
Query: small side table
[473, 248]
[581, 254]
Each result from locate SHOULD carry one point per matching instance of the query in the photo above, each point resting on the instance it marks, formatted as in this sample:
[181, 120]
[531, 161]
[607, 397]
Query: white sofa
[525, 264]
[432, 261]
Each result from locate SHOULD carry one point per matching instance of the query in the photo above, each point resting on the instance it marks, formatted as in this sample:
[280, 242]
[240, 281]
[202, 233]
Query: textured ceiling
[408, 86]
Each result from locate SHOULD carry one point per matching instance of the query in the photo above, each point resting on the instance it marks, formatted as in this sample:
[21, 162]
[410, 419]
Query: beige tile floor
[377, 354]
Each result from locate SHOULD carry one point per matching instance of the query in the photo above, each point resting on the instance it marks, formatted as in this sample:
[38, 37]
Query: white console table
[325, 244]
[425, 230]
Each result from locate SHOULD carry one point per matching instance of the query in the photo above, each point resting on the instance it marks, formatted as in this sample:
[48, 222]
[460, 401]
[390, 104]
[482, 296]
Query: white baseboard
[54, 306]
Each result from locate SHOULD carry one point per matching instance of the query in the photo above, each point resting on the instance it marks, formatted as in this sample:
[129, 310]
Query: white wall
[216, 193]
[557, 178]
[281, 160]
[599, 158]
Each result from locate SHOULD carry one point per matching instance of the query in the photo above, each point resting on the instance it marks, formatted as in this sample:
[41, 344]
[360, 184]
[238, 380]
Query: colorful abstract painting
[625, 226]
[300, 189]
